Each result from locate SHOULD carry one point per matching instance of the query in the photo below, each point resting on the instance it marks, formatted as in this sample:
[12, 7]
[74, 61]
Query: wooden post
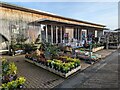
[61, 34]
[78, 33]
[40, 33]
[52, 34]
[56, 34]
[46, 34]
[107, 41]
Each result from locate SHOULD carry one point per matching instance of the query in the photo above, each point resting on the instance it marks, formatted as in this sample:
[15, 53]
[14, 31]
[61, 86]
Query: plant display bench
[97, 49]
[84, 55]
[65, 75]
[17, 52]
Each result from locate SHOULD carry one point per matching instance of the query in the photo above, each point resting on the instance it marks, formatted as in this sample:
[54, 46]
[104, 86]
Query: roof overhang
[48, 21]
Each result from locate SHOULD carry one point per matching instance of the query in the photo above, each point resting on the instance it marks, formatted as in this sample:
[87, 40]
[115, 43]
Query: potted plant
[52, 51]
[12, 71]
[20, 81]
[12, 68]
[76, 61]
[49, 63]
[65, 69]
[9, 76]
[72, 65]
[14, 84]
[5, 69]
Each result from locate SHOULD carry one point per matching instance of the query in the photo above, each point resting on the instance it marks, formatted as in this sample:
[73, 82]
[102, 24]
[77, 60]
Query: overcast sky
[105, 13]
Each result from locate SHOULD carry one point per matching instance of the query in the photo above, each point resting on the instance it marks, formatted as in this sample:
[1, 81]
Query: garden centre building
[16, 21]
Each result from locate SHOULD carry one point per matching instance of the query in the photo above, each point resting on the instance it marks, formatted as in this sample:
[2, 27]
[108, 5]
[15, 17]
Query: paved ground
[40, 78]
[36, 77]
[0, 71]
[101, 75]
[105, 52]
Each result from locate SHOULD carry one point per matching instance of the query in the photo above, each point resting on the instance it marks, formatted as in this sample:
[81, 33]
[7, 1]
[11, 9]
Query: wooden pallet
[53, 70]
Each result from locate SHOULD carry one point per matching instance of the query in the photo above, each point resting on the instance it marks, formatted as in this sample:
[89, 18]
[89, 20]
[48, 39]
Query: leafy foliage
[29, 48]
[95, 45]
[64, 66]
[5, 66]
[12, 68]
[8, 68]
[9, 74]
[37, 41]
[50, 51]
[13, 84]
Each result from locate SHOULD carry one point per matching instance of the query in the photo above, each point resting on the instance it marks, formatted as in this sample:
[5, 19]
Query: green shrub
[8, 70]
[13, 84]
[12, 68]
[65, 69]
[76, 61]
[5, 66]
[64, 66]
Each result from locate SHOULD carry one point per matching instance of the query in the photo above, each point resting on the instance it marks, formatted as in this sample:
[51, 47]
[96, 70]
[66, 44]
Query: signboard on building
[15, 29]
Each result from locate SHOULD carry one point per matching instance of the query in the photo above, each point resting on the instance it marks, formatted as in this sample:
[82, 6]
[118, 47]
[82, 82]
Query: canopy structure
[49, 21]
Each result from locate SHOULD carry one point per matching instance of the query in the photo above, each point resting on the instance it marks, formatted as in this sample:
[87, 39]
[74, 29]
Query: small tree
[52, 51]
[37, 41]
